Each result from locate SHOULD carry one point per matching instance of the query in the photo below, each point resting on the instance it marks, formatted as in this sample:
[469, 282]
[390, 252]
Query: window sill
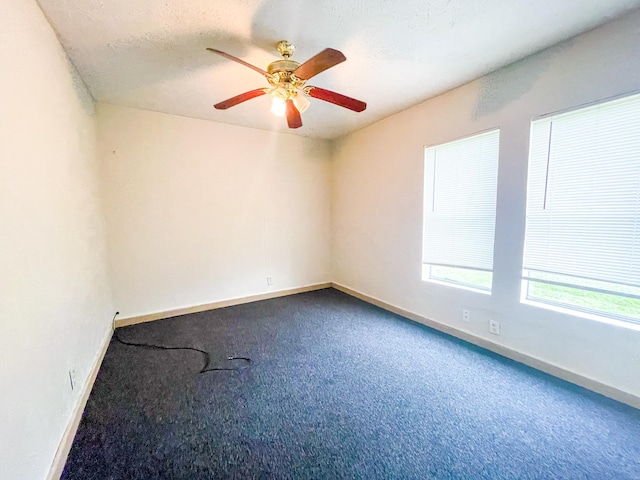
[630, 325]
[457, 285]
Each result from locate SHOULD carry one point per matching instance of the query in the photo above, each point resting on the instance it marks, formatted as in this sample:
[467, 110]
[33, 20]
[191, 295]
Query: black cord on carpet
[207, 358]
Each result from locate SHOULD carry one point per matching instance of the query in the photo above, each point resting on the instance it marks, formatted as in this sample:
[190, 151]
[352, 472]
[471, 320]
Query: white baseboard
[64, 447]
[538, 364]
[221, 304]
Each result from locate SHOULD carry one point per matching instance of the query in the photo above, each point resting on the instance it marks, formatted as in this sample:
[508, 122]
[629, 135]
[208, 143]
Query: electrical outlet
[466, 316]
[494, 327]
[72, 379]
[269, 280]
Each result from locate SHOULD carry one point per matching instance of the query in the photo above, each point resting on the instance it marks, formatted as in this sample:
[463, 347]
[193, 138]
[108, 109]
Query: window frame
[526, 279]
[425, 266]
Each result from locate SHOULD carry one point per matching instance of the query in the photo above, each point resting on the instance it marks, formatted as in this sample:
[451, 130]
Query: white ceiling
[151, 53]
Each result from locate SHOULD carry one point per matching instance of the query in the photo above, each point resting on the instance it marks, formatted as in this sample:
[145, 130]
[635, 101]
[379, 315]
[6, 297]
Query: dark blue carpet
[338, 389]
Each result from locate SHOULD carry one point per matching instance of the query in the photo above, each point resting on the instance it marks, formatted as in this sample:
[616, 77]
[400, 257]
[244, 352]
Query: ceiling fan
[287, 79]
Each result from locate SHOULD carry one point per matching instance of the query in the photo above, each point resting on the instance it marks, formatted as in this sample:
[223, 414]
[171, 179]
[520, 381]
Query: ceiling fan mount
[285, 48]
[288, 78]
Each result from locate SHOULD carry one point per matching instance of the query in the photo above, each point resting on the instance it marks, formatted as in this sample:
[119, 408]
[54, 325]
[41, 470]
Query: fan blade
[325, 59]
[242, 62]
[243, 97]
[293, 115]
[336, 98]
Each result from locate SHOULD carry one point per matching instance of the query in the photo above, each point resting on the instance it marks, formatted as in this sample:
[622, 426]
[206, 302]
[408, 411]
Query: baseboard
[62, 453]
[221, 304]
[538, 364]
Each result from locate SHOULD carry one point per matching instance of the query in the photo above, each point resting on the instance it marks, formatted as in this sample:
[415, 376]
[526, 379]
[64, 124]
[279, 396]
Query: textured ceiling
[151, 53]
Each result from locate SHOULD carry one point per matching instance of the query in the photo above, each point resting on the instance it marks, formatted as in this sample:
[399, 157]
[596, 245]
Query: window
[582, 242]
[460, 181]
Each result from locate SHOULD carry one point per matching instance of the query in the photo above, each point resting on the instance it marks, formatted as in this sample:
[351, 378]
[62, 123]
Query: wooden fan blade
[336, 98]
[243, 97]
[325, 59]
[293, 115]
[242, 62]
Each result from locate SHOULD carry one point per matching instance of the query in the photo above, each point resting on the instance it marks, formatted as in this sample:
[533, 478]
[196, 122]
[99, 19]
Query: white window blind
[460, 202]
[583, 206]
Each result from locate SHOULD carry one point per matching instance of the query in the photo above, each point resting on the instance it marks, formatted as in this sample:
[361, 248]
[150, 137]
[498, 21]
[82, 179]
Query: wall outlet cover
[494, 327]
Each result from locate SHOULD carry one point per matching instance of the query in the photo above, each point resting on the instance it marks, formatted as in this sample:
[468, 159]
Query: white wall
[199, 211]
[55, 305]
[377, 202]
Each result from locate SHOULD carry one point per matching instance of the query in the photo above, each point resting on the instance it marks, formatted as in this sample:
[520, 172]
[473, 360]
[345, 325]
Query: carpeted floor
[338, 389]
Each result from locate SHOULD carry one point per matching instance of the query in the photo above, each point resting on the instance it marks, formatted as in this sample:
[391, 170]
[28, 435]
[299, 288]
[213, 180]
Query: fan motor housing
[284, 65]
[282, 73]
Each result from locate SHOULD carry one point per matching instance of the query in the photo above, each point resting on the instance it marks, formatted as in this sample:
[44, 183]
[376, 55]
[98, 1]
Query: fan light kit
[288, 78]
